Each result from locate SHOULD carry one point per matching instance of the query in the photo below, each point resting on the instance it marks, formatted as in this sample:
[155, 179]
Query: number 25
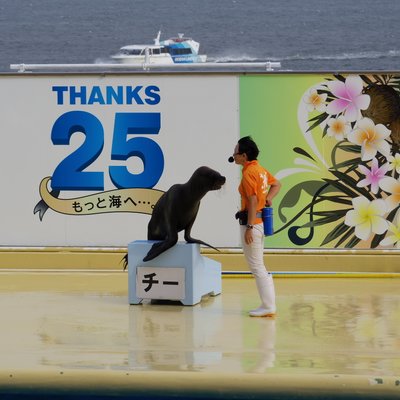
[70, 173]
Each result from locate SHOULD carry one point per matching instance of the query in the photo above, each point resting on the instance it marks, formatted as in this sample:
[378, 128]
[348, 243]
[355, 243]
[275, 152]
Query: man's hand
[248, 236]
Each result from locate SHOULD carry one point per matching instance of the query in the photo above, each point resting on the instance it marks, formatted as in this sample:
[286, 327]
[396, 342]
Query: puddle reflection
[174, 337]
[332, 328]
[168, 335]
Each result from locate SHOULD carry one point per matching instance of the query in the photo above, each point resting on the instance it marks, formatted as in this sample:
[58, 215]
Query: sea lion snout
[220, 181]
[211, 179]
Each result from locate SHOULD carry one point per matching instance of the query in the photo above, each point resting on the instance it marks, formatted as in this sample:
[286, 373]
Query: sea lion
[177, 208]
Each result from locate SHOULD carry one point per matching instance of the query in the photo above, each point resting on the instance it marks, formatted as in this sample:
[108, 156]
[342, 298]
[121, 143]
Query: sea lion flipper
[160, 247]
[191, 240]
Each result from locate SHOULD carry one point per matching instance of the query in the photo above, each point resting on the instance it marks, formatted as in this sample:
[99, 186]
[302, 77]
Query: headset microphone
[231, 159]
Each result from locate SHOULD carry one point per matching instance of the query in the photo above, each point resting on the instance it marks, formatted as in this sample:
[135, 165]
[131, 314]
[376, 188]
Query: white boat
[178, 50]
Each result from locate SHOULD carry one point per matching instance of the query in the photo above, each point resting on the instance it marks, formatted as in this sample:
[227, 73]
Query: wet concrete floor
[79, 322]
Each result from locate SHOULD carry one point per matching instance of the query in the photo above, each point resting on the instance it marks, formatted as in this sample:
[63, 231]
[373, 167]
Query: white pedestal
[181, 273]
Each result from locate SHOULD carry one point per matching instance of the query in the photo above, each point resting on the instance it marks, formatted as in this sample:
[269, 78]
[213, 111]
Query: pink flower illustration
[373, 176]
[350, 99]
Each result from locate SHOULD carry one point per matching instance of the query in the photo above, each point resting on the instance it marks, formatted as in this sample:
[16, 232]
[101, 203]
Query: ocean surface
[308, 35]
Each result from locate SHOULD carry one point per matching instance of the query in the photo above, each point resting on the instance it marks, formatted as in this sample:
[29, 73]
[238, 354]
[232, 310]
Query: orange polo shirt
[255, 181]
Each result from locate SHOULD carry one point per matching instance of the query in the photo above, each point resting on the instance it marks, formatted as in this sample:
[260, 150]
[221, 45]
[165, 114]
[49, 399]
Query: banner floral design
[358, 196]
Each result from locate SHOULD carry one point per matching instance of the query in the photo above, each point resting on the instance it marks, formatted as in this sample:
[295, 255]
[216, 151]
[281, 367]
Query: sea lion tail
[124, 261]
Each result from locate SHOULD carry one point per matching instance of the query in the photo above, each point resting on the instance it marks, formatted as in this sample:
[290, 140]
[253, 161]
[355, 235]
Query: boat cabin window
[131, 52]
[180, 51]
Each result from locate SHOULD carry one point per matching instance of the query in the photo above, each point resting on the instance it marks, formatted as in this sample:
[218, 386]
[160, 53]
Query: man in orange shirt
[257, 189]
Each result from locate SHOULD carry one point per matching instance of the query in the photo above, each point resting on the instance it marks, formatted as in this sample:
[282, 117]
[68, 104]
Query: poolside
[72, 333]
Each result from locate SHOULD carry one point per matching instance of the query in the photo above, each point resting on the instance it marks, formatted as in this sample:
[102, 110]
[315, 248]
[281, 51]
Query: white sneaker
[261, 312]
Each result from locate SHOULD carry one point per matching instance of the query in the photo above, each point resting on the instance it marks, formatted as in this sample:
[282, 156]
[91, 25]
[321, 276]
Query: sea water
[310, 35]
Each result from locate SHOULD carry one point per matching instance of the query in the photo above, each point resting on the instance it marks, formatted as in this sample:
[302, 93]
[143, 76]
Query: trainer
[257, 189]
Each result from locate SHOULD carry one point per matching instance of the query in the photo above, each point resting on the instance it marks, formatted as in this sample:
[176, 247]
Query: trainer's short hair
[248, 145]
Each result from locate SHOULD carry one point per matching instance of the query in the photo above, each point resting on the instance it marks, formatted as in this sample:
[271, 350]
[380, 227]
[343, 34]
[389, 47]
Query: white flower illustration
[367, 217]
[371, 138]
[394, 163]
[393, 235]
[315, 101]
[392, 186]
[338, 128]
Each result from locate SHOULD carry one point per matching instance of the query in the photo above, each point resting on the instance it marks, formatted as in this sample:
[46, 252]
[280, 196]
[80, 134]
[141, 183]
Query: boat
[176, 50]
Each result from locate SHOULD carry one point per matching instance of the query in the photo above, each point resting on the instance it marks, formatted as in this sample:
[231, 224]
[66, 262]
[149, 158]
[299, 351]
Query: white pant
[254, 254]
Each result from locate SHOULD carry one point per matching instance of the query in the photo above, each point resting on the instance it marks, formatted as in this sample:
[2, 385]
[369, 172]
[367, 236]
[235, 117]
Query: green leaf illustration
[341, 187]
[323, 221]
[292, 196]
[352, 184]
[318, 120]
[338, 231]
[350, 148]
[353, 242]
[337, 199]
[376, 240]
[302, 152]
[351, 162]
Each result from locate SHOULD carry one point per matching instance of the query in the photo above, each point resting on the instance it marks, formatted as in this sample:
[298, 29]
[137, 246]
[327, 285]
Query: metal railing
[147, 67]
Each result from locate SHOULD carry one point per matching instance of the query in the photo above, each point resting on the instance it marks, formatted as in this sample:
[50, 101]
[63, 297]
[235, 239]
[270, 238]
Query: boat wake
[292, 59]
[234, 59]
[104, 61]
[310, 57]
[346, 56]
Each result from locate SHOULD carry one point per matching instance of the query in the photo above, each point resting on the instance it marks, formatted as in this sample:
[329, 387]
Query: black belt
[242, 216]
